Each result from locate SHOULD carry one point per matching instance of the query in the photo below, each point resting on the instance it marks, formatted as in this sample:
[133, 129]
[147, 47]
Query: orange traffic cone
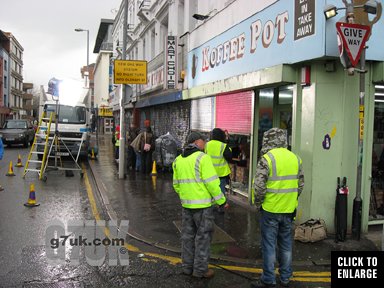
[154, 172]
[19, 164]
[32, 197]
[10, 170]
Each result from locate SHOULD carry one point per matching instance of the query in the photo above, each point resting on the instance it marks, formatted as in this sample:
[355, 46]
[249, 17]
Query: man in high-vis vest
[117, 143]
[278, 183]
[196, 182]
[221, 154]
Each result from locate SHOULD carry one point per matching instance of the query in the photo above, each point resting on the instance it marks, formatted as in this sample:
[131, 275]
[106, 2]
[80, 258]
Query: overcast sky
[45, 29]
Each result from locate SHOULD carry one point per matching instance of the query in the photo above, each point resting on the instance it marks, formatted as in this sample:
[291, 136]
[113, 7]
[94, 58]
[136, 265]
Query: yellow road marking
[95, 212]
[91, 198]
[299, 276]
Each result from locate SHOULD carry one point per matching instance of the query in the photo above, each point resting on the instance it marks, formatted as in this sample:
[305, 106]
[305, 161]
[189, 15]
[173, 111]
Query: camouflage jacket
[273, 138]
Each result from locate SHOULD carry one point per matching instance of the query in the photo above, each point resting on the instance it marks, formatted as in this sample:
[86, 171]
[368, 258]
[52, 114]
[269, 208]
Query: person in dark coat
[146, 155]
[131, 157]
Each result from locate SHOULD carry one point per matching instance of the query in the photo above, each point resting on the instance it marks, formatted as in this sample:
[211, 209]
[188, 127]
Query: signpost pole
[358, 202]
[122, 96]
[354, 37]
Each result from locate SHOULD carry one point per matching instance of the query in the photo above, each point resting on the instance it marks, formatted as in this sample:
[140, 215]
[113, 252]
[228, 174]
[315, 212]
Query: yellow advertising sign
[105, 112]
[130, 72]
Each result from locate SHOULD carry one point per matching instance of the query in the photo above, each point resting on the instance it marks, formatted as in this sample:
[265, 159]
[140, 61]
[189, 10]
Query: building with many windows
[27, 98]
[103, 75]
[16, 77]
[4, 77]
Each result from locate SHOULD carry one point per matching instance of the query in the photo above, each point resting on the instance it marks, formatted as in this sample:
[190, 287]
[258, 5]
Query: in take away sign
[353, 38]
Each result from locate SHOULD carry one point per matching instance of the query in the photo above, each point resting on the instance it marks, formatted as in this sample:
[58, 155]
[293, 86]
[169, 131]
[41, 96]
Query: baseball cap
[193, 136]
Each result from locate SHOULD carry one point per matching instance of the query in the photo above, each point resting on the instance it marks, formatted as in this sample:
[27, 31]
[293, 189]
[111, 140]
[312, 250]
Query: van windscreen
[69, 114]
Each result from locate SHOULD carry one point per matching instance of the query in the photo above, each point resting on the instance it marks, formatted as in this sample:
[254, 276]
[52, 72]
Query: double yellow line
[299, 276]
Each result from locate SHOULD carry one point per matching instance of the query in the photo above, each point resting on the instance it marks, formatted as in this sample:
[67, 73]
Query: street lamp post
[87, 74]
[329, 12]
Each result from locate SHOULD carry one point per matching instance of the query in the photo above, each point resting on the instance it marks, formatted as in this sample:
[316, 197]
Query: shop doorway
[108, 125]
[275, 110]
[376, 207]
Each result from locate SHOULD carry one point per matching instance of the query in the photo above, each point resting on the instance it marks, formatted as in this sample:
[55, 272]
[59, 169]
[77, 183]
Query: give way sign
[353, 38]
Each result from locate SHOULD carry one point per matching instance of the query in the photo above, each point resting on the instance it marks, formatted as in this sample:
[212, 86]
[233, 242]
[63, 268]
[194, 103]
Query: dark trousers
[117, 152]
[131, 158]
[146, 162]
[196, 236]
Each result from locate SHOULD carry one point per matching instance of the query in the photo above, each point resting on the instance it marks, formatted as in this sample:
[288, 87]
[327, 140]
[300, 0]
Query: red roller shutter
[234, 112]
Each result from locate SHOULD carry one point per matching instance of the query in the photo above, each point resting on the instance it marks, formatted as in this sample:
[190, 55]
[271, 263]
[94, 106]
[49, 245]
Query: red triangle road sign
[353, 37]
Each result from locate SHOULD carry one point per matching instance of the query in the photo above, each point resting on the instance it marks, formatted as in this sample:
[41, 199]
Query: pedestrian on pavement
[221, 154]
[117, 142]
[113, 131]
[278, 183]
[1, 156]
[196, 182]
[136, 145]
[147, 148]
[131, 157]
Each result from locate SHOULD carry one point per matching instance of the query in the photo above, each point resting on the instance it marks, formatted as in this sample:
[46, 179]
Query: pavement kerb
[101, 188]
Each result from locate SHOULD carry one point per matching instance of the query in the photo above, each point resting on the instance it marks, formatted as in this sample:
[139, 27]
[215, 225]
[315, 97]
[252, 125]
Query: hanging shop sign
[170, 62]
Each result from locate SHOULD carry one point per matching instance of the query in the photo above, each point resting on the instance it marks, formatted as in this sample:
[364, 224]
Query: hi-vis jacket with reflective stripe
[117, 138]
[283, 184]
[215, 149]
[196, 181]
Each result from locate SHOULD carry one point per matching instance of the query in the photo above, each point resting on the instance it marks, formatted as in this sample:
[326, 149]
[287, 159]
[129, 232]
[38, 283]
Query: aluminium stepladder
[43, 132]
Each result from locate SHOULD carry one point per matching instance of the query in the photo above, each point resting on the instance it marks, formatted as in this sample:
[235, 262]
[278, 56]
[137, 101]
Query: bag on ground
[312, 230]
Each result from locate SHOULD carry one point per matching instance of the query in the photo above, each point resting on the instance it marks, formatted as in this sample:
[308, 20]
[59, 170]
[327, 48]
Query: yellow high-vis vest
[117, 138]
[196, 181]
[283, 181]
[215, 149]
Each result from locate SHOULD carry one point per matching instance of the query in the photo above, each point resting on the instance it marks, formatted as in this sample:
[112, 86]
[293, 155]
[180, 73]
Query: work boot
[261, 284]
[284, 283]
[209, 274]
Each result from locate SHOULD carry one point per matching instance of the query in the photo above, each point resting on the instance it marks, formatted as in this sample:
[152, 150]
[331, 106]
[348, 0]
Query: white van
[73, 126]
